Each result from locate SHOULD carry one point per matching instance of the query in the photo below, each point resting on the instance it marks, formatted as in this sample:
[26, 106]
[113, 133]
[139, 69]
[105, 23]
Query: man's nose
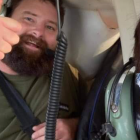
[38, 32]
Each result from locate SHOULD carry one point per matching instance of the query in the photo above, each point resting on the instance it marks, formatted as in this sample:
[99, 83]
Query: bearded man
[26, 35]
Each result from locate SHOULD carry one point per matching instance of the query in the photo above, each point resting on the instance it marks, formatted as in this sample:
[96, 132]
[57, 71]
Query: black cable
[59, 18]
[56, 82]
[55, 88]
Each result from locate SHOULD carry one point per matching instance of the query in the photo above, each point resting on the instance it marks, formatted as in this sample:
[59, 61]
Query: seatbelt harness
[20, 107]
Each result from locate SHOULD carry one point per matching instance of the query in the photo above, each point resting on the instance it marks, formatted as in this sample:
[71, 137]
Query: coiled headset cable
[56, 81]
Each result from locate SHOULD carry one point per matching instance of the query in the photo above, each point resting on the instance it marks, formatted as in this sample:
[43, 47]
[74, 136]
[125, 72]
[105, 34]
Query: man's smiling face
[38, 19]
[39, 32]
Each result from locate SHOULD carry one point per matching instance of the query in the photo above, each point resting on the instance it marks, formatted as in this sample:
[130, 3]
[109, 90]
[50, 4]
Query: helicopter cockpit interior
[100, 36]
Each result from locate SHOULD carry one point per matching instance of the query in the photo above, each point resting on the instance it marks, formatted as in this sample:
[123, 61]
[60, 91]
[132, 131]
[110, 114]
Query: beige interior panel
[89, 40]
[127, 19]
[89, 4]
[137, 7]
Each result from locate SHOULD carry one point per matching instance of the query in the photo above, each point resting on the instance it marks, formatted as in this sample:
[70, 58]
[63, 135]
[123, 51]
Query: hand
[65, 130]
[8, 34]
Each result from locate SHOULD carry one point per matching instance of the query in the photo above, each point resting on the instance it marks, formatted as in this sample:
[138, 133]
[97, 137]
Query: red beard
[25, 61]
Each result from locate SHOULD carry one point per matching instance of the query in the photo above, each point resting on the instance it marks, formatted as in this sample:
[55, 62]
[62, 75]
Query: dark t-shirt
[35, 92]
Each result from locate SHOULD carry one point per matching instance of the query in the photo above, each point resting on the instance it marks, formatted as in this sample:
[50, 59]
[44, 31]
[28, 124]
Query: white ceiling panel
[90, 4]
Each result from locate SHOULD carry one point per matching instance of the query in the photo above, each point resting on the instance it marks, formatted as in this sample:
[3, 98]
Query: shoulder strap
[22, 111]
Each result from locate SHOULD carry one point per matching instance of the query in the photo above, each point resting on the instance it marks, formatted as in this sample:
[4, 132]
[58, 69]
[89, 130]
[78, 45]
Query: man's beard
[28, 62]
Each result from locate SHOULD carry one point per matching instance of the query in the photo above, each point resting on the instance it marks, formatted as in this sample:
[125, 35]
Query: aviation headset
[122, 105]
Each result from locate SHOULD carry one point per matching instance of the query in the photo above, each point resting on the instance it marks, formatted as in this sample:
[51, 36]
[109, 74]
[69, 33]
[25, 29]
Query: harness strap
[20, 108]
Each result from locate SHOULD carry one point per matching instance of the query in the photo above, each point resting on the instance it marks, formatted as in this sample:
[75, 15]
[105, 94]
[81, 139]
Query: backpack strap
[20, 108]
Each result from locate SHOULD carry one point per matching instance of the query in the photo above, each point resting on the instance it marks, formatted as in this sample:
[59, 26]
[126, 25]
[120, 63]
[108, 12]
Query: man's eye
[29, 19]
[50, 28]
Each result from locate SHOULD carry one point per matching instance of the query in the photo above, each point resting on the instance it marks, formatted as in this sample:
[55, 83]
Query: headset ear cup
[3, 10]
